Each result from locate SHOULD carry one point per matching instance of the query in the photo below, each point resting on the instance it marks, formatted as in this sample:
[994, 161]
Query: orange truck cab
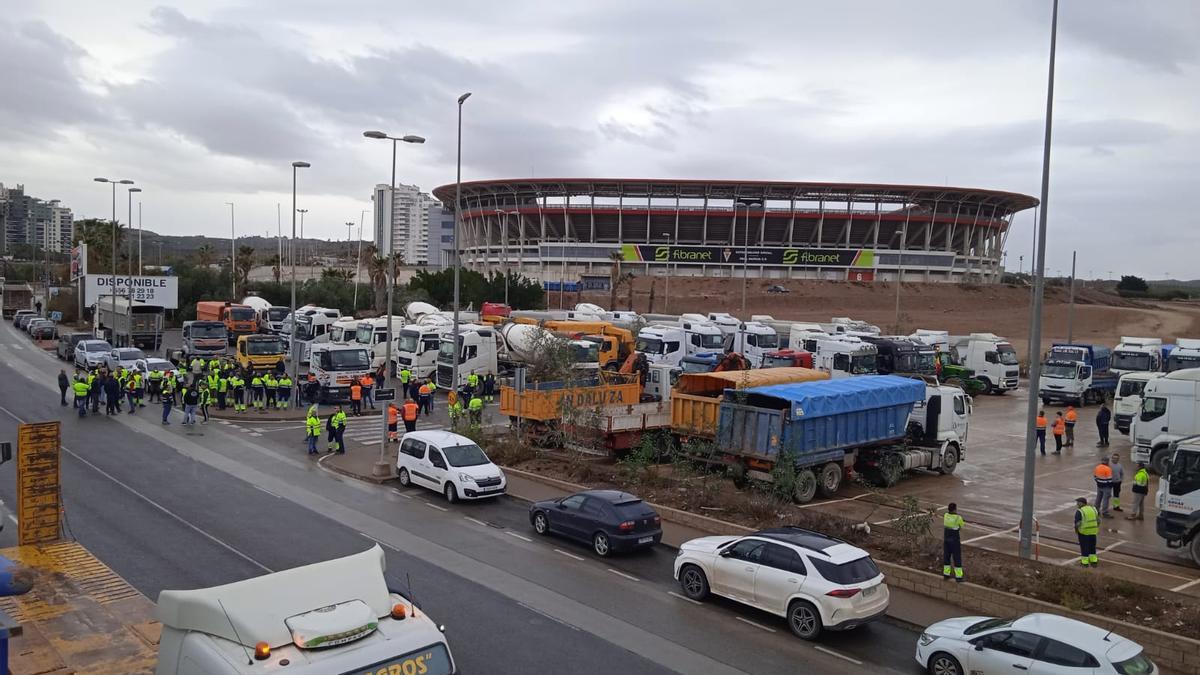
[238, 319]
[788, 358]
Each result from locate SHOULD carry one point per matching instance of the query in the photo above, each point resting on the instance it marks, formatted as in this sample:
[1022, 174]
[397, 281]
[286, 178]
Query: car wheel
[830, 480]
[693, 583]
[541, 524]
[451, 493]
[405, 479]
[942, 663]
[806, 487]
[601, 545]
[949, 460]
[804, 620]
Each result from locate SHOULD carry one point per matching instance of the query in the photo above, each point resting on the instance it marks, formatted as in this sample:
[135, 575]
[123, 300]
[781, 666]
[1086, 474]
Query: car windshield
[1065, 371]
[408, 342]
[262, 347]
[853, 572]
[241, 313]
[365, 334]
[208, 330]
[776, 362]
[276, 313]
[97, 347]
[712, 341]
[1131, 388]
[693, 366]
[862, 364]
[987, 624]
[589, 353]
[648, 345]
[465, 455]
[769, 341]
[1008, 355]
[446, 351]
[1181, 361]
[1130, 361]
[345, 359]
[304, 328]
[130, 354]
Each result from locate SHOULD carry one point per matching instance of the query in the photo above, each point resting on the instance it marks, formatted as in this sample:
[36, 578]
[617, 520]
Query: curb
[294, 415]
[377, 480]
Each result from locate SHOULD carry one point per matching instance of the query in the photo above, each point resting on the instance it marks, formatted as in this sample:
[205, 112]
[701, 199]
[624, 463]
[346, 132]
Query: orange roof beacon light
[262, 651]
[399, 611]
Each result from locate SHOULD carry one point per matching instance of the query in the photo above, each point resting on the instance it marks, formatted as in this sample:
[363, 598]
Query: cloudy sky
[207, 102]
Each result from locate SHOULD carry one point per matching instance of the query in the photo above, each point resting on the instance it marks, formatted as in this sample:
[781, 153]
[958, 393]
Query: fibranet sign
[735, 255]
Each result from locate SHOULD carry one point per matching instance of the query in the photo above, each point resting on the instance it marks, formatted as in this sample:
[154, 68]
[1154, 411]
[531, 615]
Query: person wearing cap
[952, 543]
[1141, 486]
[1087, 527]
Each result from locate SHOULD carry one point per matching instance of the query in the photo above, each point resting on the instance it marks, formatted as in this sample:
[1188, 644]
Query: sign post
[39, 499]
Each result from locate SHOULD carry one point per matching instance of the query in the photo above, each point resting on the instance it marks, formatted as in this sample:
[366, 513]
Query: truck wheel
[806, 487]
[737, 473]
[890, 470]
[1158, 461]
[987, 385]
[1045, 401]
[830, 480]
[1194, 549]
[949, 460]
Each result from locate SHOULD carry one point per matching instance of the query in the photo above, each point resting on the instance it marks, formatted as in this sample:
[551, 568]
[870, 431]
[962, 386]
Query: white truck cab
[343, 331]
[418, 343]
[373, 334]
[802, 337]
[727, 323]
[1127, 402]
[1185, 355]
[992, 357]
[753, 340]
[1178, 498]
[1170, 411]
[662, 344]
[336, 367]
[1136, 354]
[845, 356]
[336, 616]
[701, 335]
[939, 339]
[312, 327]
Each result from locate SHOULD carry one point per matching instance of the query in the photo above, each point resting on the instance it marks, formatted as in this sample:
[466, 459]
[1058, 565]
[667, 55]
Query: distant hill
[174, 246]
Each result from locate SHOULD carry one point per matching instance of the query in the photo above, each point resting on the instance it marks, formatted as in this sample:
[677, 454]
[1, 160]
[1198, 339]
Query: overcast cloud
[208, 102]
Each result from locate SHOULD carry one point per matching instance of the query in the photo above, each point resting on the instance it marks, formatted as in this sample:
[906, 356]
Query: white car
[451, 464]
[815, 581]
[144, 366]
[91, 353]
[123, 357]
[1041, 644]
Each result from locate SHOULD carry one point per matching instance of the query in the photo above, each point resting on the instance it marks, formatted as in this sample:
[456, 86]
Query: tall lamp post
[1035, 328]
[292, 257]
[504, 248]
[301, 212]
[382, 466]
[141, 270]
[358, 264]
[745, 203]
[667, 298]
[129, 218]
[113, 290]
[457, 221]
[232, 255]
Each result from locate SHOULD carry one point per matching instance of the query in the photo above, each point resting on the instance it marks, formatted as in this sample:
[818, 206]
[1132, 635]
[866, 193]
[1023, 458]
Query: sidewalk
[297, 413]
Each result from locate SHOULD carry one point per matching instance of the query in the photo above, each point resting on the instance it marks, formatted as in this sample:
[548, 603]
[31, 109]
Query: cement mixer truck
[486, 349]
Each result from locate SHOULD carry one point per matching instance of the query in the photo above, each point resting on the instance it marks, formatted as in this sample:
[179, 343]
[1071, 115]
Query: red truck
[788, 358]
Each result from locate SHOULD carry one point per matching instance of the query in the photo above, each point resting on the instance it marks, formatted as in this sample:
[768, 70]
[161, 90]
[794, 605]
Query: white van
[449, 463]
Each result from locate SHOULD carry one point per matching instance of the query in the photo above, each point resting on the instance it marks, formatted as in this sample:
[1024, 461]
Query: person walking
[1060, 428]
[356, 398]
[1103, 474]
[475, 410]
[1087, 527]
[1041, 431]
[155, 378]
[95, 389]
[409, 413]
[489, 387]
[312, 429]
[1103, 417]
[952, 543]
[1141, 487]
[139, 389]
[1118, 476]
[472, 385]
[1072, 417]
[82, 393]
[368, 389]
[131, 395]
[64, 383]
[393, 422]
[425, 395]
[205, 401]
[238, 385]
[337, 429]
[405, 376]
[167, 397]
[112, 395]
[191, 399]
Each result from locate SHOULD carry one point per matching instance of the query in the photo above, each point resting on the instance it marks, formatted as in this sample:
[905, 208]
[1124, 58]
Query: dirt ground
[1099, 317]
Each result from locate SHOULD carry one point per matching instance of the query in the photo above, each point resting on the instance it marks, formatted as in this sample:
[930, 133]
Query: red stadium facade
[562, 228]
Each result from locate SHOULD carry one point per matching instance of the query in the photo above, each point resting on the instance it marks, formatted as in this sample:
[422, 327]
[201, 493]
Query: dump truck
[16, 296]
[238, 319]
[788, 358]
[877, 425]
[261, 353]
[130, 323]
[1077, 373]
[696, 398]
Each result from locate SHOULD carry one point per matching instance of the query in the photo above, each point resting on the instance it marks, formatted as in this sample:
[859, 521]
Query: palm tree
[206, 255]
[98, 235]
[614, 277]
[245, 263]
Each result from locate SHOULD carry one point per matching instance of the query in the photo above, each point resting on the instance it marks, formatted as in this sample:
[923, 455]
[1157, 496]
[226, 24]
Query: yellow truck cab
[260, 353]
[336, 616]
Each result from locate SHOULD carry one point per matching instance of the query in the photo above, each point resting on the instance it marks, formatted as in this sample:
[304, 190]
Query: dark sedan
[609, 520]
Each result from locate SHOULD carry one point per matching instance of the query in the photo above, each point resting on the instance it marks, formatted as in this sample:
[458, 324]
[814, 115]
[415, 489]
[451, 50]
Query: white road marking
[756, 625]
[435, 506]
[1014, 528]
[263, 489]
[255, 433]
[475, 520]
[17, 346]
[832, 501]
[406, 495]
[1113, 545]
[522, 538]
[684, 597]
[843, 657]
[569, 555]
[1189, 584]
[622, 574]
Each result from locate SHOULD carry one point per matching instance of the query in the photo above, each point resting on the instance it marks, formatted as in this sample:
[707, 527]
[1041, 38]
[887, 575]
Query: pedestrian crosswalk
[372, 436]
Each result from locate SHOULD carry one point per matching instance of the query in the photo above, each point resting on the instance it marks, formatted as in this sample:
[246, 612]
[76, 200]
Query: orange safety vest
[1102, 472]
[1072, 416]
[393, 414]
[368, 381]
[1060, 427]
[410, 411]
[1041, 423]
[424, 390]
[355, 392]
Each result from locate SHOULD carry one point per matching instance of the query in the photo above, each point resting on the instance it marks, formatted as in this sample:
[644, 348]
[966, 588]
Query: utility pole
[1071, 302]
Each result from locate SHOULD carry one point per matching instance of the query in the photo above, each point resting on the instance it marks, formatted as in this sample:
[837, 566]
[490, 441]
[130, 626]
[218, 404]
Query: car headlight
[926, 639]
[466, 478]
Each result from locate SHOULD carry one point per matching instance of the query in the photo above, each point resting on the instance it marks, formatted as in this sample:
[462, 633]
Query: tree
[206, 255]
[1131, 283]
[98, 235]
[614, 277]
[336, 274]
[245, 263]
[377, 270]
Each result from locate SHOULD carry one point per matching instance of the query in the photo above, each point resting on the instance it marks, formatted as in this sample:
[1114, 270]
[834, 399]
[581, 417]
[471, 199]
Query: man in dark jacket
[64, 383]
[1103, 417]
[112, 394]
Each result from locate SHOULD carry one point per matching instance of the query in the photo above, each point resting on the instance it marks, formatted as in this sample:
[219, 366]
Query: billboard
[160, 291]
[736, 255]
[78, 261]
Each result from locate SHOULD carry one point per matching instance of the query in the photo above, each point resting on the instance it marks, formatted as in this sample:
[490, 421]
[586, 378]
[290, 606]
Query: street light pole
[301, 212]
[1071, 301]
[1035, 328]
[129, 219]
[457, 221]
[141, 271]
[358, 260]
[667, 299]
[504, 249]
[113, 289]
[382, 466]
[232, 256]
[292, 259]
[745, 244]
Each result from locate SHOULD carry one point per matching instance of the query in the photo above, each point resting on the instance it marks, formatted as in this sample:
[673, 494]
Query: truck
[1137, 354]
[373, 334]
[129, 323]
[753, 339]
[845, 356]
[16, 296]
[662, 343]
[991, 358]
[696, 398]
[486, 349]
[1170, 411]
[343, 331]
[1127, 402]
[312, 327]
[879, 426]
[1076, 373]
[788, 358]
[336, 367]
[333, 616]
[700, 334]
[899, 355]
[417, 345]
[938, 339]
[1185, 355]
[270, 317]
[615, 343]
[703, 362]
[261, 353]
[1178, 497]
[494, 312]
[238, 319]
[844, 324]
[726, 322]
[804, 336]
[205, 339]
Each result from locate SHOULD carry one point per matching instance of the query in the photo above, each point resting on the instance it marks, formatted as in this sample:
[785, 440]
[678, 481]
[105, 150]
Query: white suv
[451, 464]
[815, 581]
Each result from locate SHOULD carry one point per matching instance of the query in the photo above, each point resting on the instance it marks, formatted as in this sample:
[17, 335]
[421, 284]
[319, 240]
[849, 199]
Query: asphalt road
[168, 508]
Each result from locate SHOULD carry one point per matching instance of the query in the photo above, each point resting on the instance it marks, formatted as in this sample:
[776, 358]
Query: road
[168, 508]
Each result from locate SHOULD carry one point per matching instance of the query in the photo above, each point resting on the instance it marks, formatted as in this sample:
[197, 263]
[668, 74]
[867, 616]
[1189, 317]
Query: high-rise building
[35, 222]
[402, 222]
[441, 235]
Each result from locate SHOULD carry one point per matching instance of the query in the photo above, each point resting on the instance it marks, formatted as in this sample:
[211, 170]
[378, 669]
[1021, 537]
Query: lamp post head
[135, 189]
[464, 97]
[413, 139]
[125, 182]
[101, 180]
[375, 134]
[301, 165]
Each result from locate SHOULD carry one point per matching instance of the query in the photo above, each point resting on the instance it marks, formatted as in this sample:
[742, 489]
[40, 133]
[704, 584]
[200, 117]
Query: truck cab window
[991, 357]
[1085, 372]
[841, 362]
[1153, 407]
[1184, 473]
[671, 348]
[960, 406]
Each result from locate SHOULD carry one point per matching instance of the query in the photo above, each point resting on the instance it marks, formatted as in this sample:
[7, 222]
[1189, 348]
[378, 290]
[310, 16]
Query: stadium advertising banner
[735, 255]
[158, 291]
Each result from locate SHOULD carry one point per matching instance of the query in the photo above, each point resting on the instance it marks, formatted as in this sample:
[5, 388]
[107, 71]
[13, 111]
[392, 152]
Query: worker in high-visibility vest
[425, 397]
[1060, 428]
[1141, 486]
[1103, 475]
[405, 376]
[393, 422]
[356, 398]
[1087, 527]
[312, 429]
[952, 543]
[409, 413]
[475, 410]
[1041, 431]
[1072, 417]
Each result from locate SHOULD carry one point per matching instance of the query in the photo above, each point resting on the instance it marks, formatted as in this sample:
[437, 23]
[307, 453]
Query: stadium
[565, 229]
